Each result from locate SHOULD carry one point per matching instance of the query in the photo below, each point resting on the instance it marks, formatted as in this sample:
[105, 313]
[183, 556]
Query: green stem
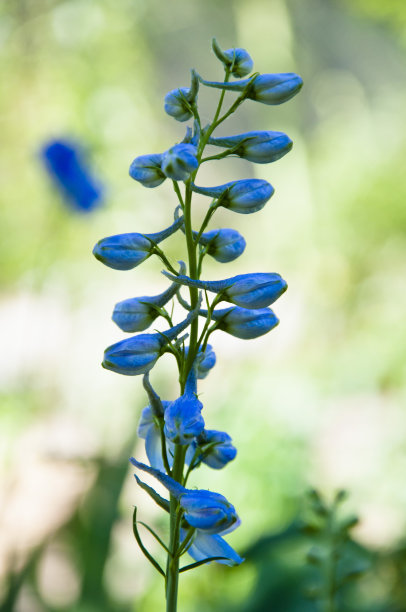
[172, 566]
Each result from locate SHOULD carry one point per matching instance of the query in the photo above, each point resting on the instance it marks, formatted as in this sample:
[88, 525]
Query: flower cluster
[176, 438]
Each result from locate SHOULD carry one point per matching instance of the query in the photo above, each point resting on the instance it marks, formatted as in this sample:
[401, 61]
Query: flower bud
[146, 169]
[257, 147]
[217, 448]
[71, 174]
[126, 251]
[138, 355]
[238, 60]
[205, 510]
[133, 356]
[245, 323]
[179, 162]
[137, 314]
[265, 88]
[224, 245]
[246, 290]
[245, 196]
[178, 102]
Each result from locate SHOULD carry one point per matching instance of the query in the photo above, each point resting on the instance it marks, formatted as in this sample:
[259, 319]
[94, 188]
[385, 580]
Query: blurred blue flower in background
[69, 170]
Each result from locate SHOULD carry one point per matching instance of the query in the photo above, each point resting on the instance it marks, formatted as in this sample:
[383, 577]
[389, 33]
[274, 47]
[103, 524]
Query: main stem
[172, 567]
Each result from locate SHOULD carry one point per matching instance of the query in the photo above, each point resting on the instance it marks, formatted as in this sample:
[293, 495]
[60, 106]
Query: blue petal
[205, 545]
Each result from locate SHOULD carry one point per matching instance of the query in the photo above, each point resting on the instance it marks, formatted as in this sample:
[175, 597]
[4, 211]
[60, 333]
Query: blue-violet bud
[244, 323]
[256, 290]
[257, 147]
[265, 88]
[244, 196]
[179, 162]
[178, 102]
[126, 251]
[224, 245]
[70, 173]
[238, 60]
[146, 169]
[137, 314]
[138, 355]
[217, 448]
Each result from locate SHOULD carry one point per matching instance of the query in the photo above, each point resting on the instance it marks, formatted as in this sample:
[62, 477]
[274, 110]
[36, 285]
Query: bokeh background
[318, 402]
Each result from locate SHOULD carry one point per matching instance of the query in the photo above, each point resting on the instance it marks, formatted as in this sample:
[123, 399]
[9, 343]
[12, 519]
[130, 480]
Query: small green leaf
[202, 562]
[162, 503]
[142, 547]
[156, 536]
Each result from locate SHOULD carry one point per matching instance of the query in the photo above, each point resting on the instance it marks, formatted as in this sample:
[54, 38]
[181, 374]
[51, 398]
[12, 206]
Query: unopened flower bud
[179, 161]
[265, 88]
[238, 60]
[257, 147]
[126, 251]
[245, 196]
[146, 169]
[256, 290]
[178, 102]
[138, 355]
[224, 245]
[137, 314]
[245, 323]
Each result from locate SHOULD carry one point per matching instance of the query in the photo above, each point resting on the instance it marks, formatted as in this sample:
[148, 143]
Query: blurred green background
[318, 402]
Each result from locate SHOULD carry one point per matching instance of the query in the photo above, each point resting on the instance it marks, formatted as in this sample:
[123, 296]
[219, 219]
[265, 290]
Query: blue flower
[246, 290]
[146, 169]
[69, 171]
[149, 430]
[217, 448]
[244, 323]
[258, 147]
[245, 196]
[209, 512]
[205, 546]
[183, 419]
[179, 162]
[265, 88]
[126, 251]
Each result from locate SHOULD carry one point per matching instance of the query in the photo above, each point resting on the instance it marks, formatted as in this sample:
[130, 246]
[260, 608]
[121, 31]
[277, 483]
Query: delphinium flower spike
[177, 441]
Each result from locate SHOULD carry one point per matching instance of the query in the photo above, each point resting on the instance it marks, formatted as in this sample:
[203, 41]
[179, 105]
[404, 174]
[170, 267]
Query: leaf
[156, 536]
[142, 547]
[162, 502]
[202, 562]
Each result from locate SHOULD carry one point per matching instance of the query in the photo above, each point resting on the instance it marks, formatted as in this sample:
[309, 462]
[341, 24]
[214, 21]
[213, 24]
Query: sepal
[179, 161]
